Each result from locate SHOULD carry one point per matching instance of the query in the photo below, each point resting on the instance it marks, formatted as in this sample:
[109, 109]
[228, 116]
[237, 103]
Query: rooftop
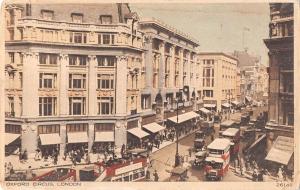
[218, 53]
[168, 27]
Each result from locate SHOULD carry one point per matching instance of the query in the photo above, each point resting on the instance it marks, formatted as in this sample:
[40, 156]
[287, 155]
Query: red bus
[233, 134]
[59, 174]
[217, 162]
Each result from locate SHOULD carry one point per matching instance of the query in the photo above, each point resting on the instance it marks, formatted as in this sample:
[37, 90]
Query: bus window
[135, 175]
[126, 178]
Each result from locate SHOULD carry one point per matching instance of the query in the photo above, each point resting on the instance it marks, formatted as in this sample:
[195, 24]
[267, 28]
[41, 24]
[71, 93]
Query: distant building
[281, 70]
[252, 73]
[219, 80]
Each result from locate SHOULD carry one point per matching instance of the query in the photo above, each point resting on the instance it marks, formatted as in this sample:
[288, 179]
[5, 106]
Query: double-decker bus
[217, 162]
[233, 134]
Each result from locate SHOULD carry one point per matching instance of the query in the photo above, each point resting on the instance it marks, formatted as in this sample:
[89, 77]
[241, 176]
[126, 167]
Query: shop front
[49, 139]
[77, 137]
[154, 129]
[12, 139]
[281, 155]
[137, 138]
[104, 137]
[184, 123]
[210, 107]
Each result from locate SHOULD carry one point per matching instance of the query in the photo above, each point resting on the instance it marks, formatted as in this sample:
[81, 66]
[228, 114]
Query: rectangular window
[78, 60]
[106, 39]
[47, 80]
[77, 106]
[106, 19]
[78, 127]
[45, 58]
[78, 37]
[11, 105]
[77, 17]
[53, 59]
[47, 129]
[106, 61]
[105, 81]
[21, 105]
[47, 14]
[104, 127]
[47, 106]
[15, 129]
[77, 81]
[105, 105]
[11, 57]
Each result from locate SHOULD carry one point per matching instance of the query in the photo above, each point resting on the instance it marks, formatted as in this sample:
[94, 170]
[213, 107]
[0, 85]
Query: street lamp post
[229, 102]
[177, 157]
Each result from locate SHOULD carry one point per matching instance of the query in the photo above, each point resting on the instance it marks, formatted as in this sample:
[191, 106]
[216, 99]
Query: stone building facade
[219, 80]
[281, 69]
[87, 74]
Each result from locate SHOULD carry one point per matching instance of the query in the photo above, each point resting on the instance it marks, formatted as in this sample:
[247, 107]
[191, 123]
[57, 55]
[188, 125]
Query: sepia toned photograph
[148, 92]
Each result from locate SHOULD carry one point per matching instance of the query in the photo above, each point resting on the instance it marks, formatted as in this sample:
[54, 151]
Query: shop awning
[209, 105]
[77, 137]
[265, 94]
[248, 98]
[226, 105]
[104, 136]
[204, 110]
[138, 132]
[51, 138]
[257, 142]
[235, 103]
[153, 127]
[10, 137]
[282, 150]
[184, 117]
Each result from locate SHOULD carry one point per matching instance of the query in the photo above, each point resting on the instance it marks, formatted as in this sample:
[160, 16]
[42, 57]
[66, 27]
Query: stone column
[91, 135]
[29, 138]
[31, 85]
[92, 106]
[63, 86]
[148, 62]
[161, 66]
[121, 85]
[172, 67]
[181, 68]
[120, 133]
[63, 138]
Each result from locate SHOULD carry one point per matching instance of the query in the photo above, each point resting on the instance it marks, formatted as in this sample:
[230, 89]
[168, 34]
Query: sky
[217, 27]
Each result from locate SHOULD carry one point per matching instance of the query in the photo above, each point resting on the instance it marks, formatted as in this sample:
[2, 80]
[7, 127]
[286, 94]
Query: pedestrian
[87, 158]
[156, 177]
[55, 159]
[29, 173]
[25, 155]
[260, 176]
[20, 157]
[212, 137]
[190, 152]
[147, 175]
[254, 175]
